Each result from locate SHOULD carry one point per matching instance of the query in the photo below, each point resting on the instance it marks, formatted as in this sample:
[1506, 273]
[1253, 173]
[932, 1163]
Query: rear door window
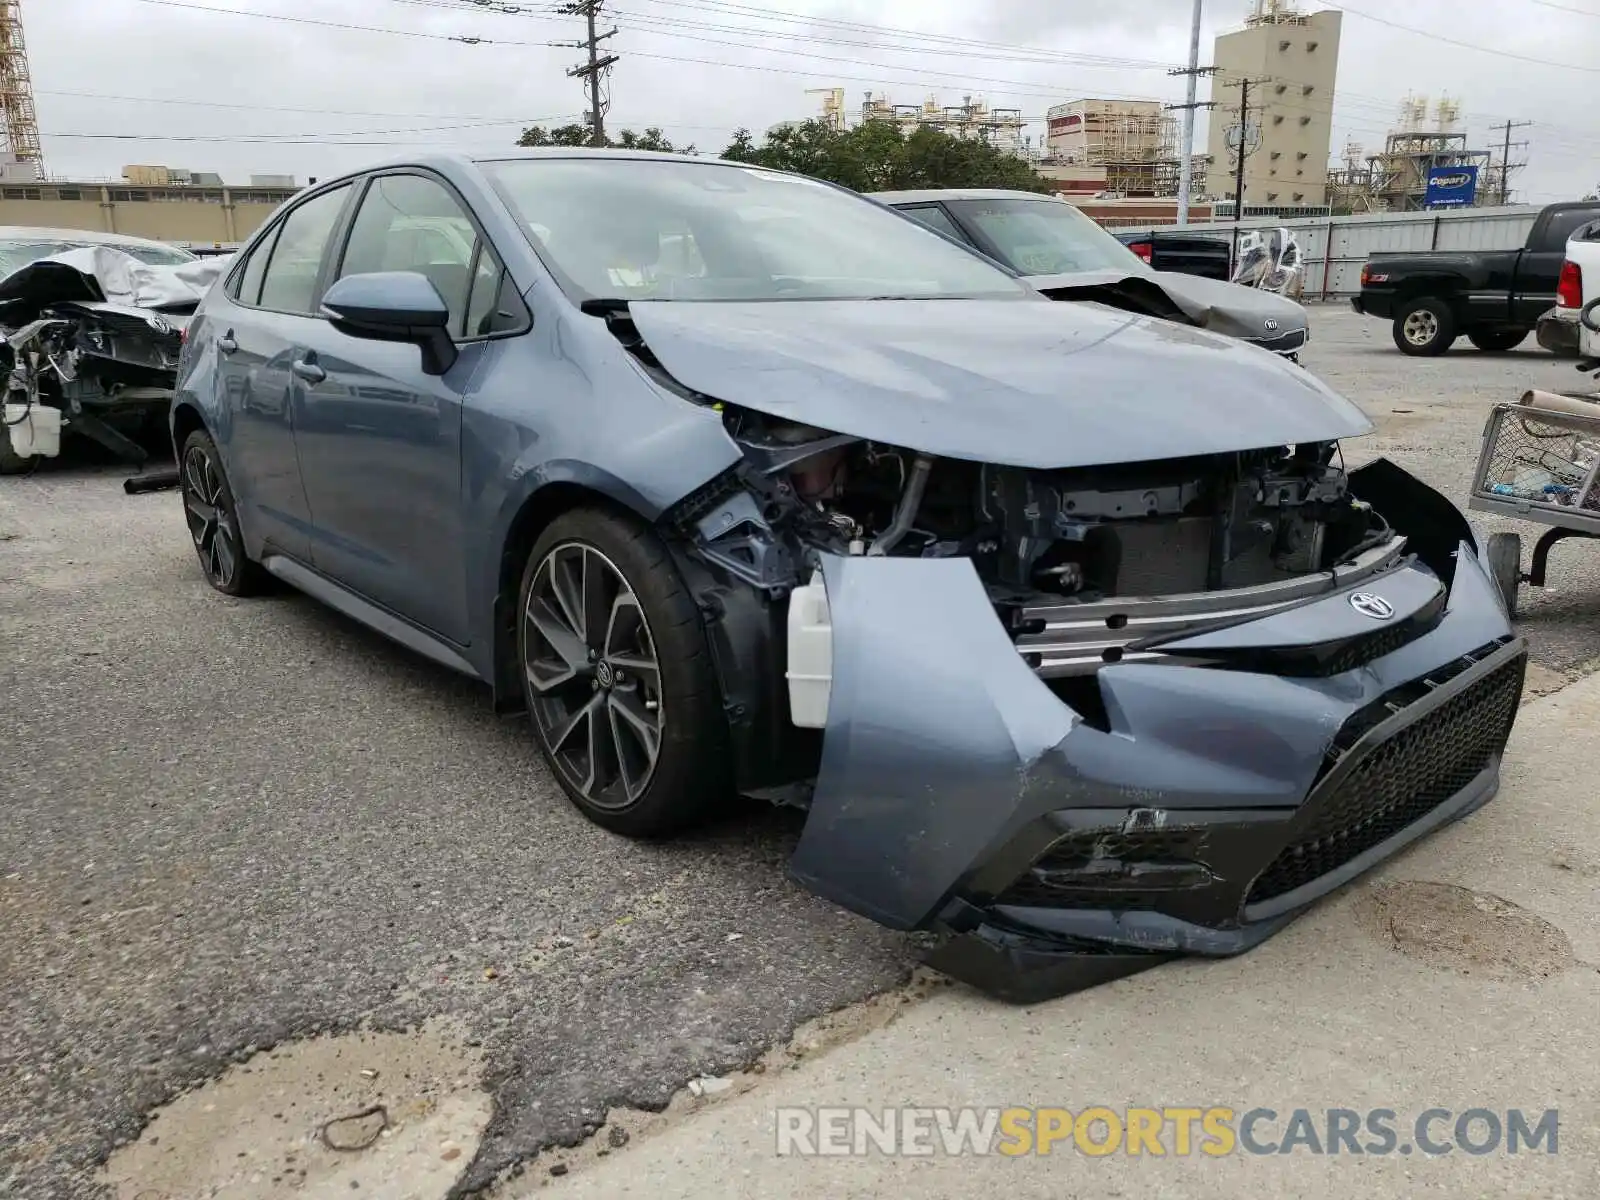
[255, 269]
[290, 283]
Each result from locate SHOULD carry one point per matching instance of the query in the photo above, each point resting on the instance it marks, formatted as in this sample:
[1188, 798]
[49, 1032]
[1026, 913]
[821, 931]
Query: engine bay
[1086, 535]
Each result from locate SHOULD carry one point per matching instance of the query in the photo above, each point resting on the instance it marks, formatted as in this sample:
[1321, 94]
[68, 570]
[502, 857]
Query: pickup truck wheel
[1424, 328]
[1499, 341]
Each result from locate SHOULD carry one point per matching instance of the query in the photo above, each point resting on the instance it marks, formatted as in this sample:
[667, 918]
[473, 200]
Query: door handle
[226, 344]
[308, 370]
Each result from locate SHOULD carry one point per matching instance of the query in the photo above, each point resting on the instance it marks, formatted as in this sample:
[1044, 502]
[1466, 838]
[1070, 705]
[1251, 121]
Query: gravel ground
[230, 824]
[1430, 415]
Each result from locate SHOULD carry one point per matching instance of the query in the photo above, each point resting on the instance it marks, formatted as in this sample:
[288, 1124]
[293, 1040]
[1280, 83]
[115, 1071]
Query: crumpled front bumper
[1211, 805]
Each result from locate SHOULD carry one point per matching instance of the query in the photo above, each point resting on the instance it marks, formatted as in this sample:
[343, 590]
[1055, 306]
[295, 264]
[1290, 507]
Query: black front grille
[1397, 782]
[1373, 647]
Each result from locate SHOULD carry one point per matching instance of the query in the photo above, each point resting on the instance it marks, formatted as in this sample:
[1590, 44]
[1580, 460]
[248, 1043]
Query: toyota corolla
[1067, 626]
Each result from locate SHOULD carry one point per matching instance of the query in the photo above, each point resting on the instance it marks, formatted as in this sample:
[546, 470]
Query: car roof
[927, 195]
[88, 237]
[445, 161]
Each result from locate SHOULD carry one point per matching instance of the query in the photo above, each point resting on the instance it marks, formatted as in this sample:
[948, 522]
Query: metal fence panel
[1334, 249]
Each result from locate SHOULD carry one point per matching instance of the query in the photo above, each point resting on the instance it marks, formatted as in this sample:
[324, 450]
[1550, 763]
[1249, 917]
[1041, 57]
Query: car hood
[1024, 383]
[1226, 308]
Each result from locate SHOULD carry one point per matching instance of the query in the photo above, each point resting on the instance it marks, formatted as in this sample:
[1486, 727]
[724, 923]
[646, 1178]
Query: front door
[379, 440]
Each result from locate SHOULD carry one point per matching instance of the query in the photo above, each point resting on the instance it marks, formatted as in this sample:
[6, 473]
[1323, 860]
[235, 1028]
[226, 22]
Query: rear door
[381, 441]
[267, 301]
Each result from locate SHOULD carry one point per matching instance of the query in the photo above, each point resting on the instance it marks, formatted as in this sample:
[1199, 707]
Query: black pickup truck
[1493, 297]
[1207, 256]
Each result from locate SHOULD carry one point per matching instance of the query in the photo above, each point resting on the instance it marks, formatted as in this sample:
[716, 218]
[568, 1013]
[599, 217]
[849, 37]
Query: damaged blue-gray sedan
[1068, 626]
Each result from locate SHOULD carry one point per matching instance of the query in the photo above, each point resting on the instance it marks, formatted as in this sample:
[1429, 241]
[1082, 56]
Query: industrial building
[1428, 138]
[972, 120]
[1290, 61]
[164, 203]
[1126, 147]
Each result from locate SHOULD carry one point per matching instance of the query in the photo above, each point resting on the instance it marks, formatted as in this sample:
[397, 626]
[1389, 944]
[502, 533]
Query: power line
[317, 112]
[1582, 12]
[1031, 89]
[413, 33]
[1433, 35]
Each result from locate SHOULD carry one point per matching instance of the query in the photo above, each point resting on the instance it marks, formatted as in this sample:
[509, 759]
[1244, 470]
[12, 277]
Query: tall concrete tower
[1292, 60]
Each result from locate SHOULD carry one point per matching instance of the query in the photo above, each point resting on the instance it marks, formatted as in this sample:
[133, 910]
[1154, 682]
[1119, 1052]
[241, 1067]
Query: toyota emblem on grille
[1372, 606]
[1272, 325]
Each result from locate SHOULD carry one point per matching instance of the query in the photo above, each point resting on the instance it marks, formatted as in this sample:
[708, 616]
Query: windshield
[636, 229]
[1045, 237]
[16, 255]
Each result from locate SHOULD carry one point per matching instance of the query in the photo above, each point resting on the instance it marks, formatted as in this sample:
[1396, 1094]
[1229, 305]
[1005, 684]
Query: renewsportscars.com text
[1212, 1132]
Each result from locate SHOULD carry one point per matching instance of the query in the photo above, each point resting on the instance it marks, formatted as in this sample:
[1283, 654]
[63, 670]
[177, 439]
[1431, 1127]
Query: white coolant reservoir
[33, 429]
[810, 671]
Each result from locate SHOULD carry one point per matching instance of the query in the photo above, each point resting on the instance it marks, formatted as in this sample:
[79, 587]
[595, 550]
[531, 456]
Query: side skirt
[320, 587]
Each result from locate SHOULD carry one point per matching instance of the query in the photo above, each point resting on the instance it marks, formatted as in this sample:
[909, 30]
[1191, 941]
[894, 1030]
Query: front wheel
[1498, 341]
[1425, 328]
[12, 463]
[618, 677]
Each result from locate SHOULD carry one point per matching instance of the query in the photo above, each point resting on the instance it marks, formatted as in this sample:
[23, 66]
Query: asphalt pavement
[230, 825]
[1447, 995]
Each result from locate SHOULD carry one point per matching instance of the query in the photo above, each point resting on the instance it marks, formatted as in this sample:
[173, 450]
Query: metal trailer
[1542, 466]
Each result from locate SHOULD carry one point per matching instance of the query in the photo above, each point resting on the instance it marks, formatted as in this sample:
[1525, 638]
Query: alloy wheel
[593, 675]
[1421, 327]
[216, 539]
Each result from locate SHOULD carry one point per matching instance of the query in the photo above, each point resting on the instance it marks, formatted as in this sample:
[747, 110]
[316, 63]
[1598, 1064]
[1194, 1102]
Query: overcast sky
[212, 90]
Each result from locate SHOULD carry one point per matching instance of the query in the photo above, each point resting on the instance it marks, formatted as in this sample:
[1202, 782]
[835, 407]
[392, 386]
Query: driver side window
[411, 223]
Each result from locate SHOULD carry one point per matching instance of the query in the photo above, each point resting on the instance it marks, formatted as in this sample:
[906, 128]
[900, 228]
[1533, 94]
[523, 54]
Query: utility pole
[1505, 158]
[1186, 147]
[1243, 139]
[595, 70]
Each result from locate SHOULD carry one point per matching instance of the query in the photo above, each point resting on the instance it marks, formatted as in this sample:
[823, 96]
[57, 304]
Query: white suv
[1580, 282]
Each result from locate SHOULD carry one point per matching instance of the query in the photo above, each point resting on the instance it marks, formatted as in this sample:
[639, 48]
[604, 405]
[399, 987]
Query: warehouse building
[164, 203]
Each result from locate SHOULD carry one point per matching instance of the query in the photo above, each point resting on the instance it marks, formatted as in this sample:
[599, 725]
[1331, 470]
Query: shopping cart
[1541, 463]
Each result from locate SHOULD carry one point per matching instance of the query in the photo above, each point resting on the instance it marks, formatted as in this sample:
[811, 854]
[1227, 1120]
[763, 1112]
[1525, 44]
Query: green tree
[876, 156]
[578, 135]
[561, 135]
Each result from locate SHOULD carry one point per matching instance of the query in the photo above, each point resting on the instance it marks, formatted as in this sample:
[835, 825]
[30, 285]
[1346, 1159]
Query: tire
[600, 704]
[1498, 341]
[1425, 328]
[12, 463]
[1505, 566]
[213, 521]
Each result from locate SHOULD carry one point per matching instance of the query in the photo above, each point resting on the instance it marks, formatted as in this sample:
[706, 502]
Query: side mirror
[394, 306]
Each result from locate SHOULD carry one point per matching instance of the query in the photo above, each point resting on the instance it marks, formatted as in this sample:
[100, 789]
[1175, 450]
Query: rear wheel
[214, 521]
[618, 677]
[1505, 566]
[1425, 327]
[1498, 341]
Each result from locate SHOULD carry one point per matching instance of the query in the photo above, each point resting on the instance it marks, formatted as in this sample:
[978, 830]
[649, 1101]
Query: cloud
[701, 68]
